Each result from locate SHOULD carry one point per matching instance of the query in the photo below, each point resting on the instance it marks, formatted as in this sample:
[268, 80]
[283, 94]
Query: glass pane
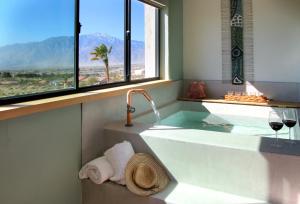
[101, 42]
[36, 46]
[144, 41]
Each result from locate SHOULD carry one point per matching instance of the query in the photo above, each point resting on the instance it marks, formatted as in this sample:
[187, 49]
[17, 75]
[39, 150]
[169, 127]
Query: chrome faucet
[130, 108]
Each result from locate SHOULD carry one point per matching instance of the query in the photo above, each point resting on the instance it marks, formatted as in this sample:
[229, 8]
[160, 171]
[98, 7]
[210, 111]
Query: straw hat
[144, 176]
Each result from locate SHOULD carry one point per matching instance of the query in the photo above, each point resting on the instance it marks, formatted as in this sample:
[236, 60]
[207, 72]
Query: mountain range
[58, 52]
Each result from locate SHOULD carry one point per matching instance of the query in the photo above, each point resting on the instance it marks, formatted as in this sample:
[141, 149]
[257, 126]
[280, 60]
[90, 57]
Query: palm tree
[101, 53]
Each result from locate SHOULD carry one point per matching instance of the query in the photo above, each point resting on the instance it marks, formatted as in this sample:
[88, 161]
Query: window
[36, 47]
[101, 42]
[55, 47]
[144, 40]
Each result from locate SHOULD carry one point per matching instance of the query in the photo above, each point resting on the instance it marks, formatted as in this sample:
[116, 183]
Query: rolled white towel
[98, 170]
[118, 156]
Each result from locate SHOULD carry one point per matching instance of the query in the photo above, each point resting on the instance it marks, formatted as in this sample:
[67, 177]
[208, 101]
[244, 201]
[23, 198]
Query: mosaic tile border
[248, 41]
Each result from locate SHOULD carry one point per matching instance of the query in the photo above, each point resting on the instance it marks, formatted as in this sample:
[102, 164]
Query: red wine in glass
[289, 123]
[290, 120]
[276, 125]
[275, 122]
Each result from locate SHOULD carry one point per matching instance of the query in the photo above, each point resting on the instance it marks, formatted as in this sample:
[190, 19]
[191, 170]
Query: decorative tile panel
[237, 41]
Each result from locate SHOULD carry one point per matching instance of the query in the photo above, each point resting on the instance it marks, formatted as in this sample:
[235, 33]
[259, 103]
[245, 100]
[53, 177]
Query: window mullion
[127, 49]
[76, 50]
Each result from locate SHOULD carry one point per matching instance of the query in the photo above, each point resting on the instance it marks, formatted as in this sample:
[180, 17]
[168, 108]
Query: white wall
[202, 39]
[150, 41]
[276, 40]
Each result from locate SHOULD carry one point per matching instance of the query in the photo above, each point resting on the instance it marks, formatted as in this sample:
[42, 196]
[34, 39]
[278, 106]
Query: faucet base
[128, 125]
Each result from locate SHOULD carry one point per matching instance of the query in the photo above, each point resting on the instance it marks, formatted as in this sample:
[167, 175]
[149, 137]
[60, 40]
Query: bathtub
[213, 146]
[228, 125]
[222, 119]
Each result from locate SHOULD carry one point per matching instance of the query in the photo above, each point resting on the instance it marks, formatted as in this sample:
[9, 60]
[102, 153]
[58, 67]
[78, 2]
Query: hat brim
[162, 178]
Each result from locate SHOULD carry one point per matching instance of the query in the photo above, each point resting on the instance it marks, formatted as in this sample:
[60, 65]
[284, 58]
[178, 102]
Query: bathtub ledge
[278, 104]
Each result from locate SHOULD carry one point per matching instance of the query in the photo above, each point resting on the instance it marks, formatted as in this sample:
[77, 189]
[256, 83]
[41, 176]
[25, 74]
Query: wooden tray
[255, 99]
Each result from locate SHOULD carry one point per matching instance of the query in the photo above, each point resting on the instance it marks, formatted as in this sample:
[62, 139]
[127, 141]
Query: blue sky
[107, 16]
[34, 20]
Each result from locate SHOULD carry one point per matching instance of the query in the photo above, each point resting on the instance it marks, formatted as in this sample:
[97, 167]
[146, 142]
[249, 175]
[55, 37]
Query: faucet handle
[130, 109]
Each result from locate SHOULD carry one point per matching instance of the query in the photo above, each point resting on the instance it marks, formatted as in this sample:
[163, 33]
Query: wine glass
[290, 120]
[276, 124]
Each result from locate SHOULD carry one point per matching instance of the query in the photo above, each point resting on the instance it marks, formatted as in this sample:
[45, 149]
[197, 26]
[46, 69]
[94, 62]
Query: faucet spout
[130, 108]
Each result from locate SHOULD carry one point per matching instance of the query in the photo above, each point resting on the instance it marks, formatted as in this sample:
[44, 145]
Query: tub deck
[279, 104]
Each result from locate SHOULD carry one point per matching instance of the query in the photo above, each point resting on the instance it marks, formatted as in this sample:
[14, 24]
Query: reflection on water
[222, 123]
[222, 127]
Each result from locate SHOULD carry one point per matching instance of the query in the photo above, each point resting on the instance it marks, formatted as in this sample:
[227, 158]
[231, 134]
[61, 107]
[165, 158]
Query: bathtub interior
[219, 118]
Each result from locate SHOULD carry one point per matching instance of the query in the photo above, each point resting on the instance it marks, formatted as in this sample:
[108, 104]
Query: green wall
[175, 8]
[40, 158]
[171, 39]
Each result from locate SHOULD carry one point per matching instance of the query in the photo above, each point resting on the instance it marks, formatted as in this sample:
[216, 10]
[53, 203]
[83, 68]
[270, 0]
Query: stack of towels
[111, 166]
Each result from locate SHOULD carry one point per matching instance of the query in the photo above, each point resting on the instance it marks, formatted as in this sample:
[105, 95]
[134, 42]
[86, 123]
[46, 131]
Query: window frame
[157, 38]
[127, 59]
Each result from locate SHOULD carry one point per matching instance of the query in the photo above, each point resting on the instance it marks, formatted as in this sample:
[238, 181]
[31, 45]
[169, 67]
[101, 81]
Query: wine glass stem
[290, 134]
[276, 133]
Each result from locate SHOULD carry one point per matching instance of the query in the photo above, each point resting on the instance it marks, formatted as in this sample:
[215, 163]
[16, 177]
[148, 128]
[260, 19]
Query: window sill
[27, 108]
